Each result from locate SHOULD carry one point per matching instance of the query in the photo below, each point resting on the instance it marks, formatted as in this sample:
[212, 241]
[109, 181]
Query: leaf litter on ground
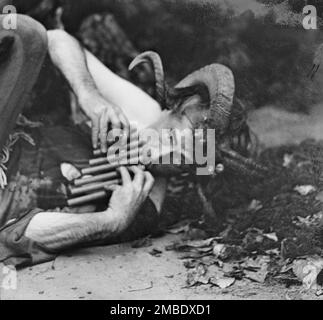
[266, 228]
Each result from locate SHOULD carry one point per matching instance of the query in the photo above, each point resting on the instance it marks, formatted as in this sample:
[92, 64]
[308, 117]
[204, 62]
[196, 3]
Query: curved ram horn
[155, 60]
[219, 82]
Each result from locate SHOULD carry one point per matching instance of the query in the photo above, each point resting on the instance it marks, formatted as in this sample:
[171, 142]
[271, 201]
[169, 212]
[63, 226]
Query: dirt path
[121, 272]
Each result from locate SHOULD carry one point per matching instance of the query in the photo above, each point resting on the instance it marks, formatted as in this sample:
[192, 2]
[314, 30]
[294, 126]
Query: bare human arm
[59, 231]
[69, 57]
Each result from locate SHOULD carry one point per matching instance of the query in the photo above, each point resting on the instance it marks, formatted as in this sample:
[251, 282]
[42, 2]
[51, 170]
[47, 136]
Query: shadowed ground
[118, 272]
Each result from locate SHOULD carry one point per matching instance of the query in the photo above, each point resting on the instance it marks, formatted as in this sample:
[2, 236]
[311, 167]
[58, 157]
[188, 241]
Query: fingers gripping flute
[103, 172]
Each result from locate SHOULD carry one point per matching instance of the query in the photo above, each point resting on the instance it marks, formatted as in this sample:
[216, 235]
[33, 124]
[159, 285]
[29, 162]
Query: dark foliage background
[269, 54]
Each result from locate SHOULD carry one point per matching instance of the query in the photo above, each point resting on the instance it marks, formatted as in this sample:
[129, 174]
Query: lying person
[36, 236]
[30, 174]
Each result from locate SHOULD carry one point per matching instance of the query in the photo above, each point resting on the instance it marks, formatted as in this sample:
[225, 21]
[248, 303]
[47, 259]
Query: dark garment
[18, 250]
[22, 52]
[36, 182]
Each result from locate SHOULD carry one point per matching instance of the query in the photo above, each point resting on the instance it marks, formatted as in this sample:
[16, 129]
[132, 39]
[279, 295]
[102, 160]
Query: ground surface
[121, 272]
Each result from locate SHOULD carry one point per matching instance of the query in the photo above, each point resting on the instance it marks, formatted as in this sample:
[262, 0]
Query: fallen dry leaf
[196, 255]
[223, 283]
[254, 205]
[274, 252]
[195, 248]
[311, 220]
[256, 269]
[288, 158]
[307, 271]
[224, 252]
[319, 293]
[271, 236]
[257, 276]
[197, 276]
[305, 190]
[200, 243]
[218, 249]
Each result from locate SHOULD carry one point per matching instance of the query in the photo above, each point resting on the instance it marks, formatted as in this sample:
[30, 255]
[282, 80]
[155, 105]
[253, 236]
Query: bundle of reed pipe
[102, 171]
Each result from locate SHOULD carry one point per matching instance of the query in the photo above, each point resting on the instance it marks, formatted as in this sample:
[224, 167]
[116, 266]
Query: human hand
[104, 116]
[127, 199]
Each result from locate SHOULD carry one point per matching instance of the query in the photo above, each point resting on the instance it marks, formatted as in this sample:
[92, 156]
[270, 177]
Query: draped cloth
[22, 52]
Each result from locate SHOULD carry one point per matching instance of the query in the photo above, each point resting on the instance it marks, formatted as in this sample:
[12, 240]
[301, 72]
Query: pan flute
[102, 172]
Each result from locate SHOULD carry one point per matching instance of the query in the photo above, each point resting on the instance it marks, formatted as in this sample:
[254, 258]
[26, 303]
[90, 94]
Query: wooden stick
[98, 178]
[98, 161]
[103, 160]
[101, 168]
[122, 161]
[93, 187]
[131, 154]
[86, 199]
[133, 134]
